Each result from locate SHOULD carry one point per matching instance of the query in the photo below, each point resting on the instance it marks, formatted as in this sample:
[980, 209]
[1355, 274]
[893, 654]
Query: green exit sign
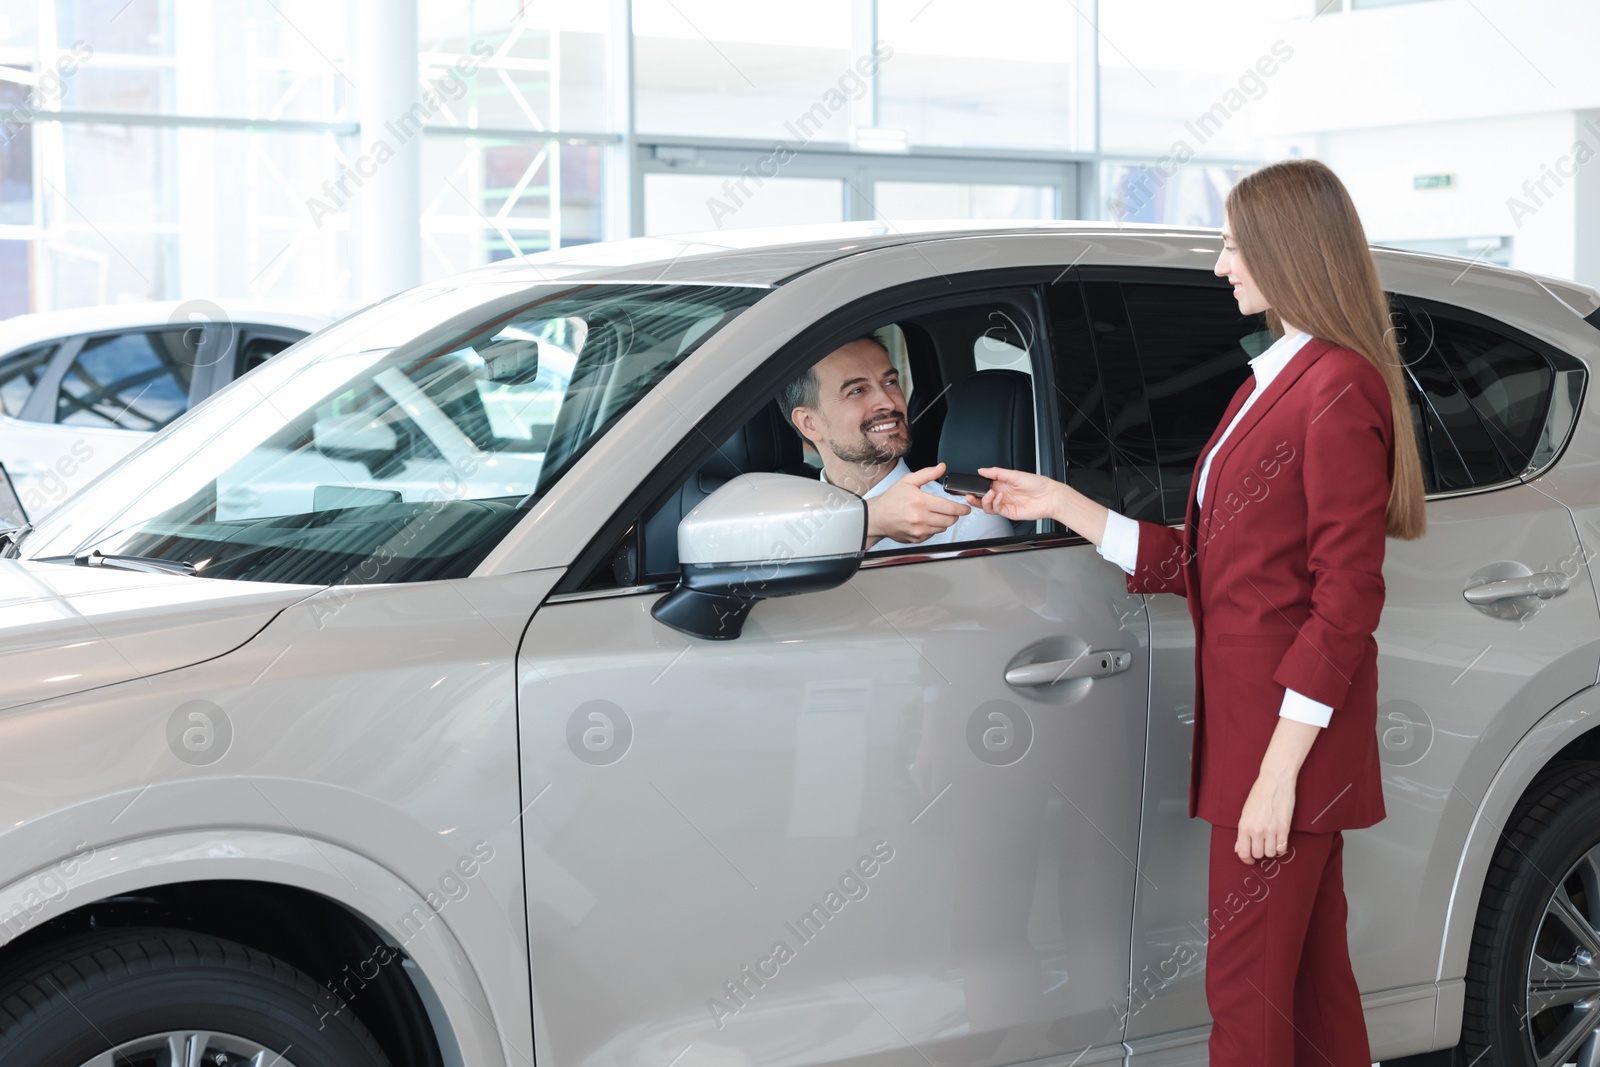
[1433, 181]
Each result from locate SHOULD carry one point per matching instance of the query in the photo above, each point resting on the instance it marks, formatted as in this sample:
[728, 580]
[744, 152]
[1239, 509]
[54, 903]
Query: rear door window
[1455, 446]
[1504, 379]
[136, 380]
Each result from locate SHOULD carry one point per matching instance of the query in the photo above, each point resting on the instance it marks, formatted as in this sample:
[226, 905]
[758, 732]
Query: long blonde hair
[1297, 230]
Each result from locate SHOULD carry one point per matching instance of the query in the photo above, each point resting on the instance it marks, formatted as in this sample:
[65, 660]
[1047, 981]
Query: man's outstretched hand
[904, 513]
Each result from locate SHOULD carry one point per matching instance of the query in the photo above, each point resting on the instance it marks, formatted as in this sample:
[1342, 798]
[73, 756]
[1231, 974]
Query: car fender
[1569, 720]
[461, 1013]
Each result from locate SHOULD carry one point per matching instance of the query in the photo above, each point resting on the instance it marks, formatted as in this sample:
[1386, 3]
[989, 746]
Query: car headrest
[766, 443]
[989, 423]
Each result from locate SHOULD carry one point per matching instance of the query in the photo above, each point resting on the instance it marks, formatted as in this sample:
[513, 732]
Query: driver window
[949, 382]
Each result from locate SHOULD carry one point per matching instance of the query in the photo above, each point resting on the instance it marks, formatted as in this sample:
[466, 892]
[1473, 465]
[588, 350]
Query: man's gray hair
[804, 392]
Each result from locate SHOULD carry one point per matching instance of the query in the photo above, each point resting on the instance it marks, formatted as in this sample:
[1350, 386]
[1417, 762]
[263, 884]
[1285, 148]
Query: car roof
[769, 256]
[1583, 299]
[23, 330]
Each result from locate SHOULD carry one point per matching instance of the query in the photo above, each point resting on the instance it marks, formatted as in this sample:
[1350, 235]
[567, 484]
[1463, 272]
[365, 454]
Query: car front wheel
[1533, 979]
[168, 998]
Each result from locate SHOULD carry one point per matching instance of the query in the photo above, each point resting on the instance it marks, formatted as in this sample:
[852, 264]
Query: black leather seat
[990, 424]
[926, 406]
[766, 443]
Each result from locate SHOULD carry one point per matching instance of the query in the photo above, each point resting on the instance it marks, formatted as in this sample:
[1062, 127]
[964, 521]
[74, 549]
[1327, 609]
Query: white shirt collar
[900, 470]
[1267, 365]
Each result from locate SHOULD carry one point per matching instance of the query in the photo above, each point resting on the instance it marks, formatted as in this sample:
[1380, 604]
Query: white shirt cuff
[1120, 543]
[1301, 708]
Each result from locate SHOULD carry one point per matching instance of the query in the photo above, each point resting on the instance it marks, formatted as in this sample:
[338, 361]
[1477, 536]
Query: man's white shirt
[1120, 544]
[975, 525]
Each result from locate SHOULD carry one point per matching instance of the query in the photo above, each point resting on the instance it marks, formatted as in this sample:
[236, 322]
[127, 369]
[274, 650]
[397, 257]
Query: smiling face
[1231, 265]
[860, 415]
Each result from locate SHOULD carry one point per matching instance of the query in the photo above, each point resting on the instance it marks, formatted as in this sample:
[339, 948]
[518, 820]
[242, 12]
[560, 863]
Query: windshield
[392, 447]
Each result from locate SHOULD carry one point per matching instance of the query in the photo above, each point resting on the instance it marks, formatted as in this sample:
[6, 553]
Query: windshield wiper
[134, 563]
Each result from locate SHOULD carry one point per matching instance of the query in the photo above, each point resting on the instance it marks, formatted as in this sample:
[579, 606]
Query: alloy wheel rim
[1562, 991]
[191, 1048]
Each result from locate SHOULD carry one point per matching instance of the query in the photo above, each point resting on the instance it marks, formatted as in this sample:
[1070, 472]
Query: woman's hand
[1264, 823]
[1268, 810]
[1018, 495]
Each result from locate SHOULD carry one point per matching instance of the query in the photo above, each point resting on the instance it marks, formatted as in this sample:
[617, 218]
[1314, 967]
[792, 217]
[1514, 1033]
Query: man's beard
[870, 451]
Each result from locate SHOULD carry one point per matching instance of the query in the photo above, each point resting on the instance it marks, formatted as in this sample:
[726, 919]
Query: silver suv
[490, 679]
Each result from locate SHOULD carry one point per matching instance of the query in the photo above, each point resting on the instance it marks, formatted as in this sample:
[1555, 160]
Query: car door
[842, 837]
[1451, 672]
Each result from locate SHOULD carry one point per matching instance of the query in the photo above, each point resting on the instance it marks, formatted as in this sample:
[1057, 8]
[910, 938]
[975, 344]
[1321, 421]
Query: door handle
[1096, 664]
[1543, 585]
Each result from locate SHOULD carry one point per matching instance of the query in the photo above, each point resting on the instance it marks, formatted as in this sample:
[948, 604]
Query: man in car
[849, 405]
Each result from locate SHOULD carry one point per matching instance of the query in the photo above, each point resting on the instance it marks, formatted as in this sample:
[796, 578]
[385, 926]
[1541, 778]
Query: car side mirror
[761, 535]
[13, 516]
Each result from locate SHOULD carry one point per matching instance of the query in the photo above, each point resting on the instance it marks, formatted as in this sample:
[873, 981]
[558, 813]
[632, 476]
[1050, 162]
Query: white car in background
[80, 389]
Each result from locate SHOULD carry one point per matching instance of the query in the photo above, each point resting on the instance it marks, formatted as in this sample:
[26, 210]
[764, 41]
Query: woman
[1281, 559]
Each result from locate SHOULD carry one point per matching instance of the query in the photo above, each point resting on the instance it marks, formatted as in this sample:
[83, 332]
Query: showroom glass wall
[178, 148]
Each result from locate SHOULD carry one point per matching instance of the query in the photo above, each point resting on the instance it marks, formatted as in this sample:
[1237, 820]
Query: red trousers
[1278, 976]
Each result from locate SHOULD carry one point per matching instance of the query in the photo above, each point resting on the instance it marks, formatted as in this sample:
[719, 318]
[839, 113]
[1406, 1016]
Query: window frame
[744, 401]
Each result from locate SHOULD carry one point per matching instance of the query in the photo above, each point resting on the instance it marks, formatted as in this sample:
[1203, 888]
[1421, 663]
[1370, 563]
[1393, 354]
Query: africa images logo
[199, 732]
[999, 733]
[599, 732]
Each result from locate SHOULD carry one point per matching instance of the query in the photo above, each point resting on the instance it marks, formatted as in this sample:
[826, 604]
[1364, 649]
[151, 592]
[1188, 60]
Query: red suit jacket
[1283, 570]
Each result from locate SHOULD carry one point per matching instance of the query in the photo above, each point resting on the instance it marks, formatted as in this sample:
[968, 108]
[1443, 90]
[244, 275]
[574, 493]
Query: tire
[146, 993]
[1539, 920]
